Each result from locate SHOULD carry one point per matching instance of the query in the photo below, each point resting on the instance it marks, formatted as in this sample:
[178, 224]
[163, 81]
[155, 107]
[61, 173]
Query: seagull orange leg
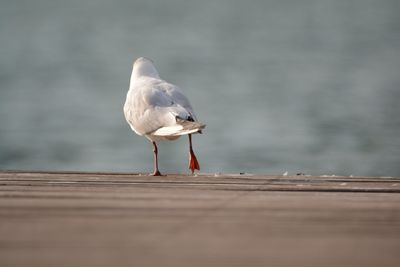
[155, 150]
[193, 163]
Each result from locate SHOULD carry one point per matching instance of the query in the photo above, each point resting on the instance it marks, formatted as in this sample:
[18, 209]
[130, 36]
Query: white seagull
[159, 110]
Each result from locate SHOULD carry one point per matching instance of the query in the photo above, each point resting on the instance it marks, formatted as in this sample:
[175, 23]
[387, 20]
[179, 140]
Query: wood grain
[120, 219]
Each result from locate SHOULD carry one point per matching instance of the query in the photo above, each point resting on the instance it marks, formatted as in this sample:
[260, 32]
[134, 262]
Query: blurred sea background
[310, 86]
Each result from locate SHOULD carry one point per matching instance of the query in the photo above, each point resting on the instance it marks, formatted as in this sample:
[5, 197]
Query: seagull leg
[193, 163]
[155, 150]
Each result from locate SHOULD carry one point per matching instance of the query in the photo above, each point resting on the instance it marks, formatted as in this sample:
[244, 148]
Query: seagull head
[144, 67]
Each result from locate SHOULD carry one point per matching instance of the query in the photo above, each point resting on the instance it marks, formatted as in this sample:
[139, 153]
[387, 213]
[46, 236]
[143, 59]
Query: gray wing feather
[154, 104]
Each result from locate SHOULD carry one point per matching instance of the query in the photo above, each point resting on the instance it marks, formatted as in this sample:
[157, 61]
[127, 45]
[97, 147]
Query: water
[298, 86]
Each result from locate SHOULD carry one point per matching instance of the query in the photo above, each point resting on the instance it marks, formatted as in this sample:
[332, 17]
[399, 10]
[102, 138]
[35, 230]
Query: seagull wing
[155, 107]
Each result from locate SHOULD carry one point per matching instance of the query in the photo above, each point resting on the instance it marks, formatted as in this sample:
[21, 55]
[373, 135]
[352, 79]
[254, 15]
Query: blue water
[299, 86]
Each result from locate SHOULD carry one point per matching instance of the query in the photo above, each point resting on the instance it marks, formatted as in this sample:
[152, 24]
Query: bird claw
[193, 163]
[156, 173]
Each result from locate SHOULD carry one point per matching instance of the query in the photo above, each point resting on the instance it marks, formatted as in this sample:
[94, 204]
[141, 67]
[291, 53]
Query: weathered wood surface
[100, 219]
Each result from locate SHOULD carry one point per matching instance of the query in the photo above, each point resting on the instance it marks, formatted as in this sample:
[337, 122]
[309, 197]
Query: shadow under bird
[159, 110]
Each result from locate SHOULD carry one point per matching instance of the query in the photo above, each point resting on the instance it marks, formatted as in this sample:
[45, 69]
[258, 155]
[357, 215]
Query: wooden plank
[120, 219]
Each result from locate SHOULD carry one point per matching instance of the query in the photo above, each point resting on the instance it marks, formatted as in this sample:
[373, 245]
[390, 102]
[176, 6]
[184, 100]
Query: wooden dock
[116, 219]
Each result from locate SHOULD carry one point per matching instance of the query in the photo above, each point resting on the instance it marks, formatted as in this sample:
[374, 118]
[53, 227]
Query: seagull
[159, 111]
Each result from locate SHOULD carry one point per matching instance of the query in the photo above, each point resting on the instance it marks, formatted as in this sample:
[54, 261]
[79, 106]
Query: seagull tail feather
[181, 127]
